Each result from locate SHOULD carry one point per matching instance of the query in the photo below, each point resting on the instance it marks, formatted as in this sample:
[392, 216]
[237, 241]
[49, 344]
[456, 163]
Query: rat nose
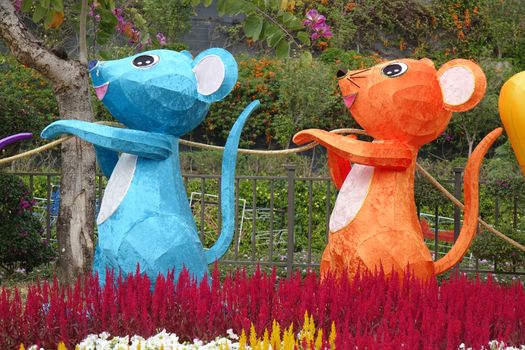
[342, 72]
[92, 64]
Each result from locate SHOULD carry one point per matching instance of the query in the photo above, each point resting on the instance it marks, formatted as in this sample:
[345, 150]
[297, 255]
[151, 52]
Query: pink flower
[313, 17]
[316, 22]
[118, 13]
[161, 38]
[17, 4]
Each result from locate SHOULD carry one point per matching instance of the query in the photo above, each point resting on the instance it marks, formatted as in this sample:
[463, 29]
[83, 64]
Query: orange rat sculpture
[403, 105]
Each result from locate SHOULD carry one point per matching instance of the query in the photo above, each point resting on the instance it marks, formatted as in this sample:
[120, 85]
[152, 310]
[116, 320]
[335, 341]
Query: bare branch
[82, 35]
[28, 50]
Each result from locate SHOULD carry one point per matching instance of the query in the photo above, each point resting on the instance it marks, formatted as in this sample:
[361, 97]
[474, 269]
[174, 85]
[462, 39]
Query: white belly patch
[117, 186]
[351, 196]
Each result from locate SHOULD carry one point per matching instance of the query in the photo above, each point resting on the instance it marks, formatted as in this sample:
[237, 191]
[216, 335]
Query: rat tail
[228, 186]
[470, 217]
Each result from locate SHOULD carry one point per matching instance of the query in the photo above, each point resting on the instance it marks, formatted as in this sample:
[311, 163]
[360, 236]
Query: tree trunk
[75, 224]
[69, 78]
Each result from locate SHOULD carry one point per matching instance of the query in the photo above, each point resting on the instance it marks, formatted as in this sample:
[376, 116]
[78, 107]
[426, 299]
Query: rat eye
[145, 61]
[394, 69]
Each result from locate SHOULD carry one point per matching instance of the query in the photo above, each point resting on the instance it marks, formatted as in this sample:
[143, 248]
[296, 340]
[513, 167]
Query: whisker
[353, 82]
[360, 71]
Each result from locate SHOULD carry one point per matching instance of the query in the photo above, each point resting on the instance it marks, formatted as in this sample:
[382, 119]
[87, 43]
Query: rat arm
[339, 167]
[386, 155]
[140, 143]
[107, 159]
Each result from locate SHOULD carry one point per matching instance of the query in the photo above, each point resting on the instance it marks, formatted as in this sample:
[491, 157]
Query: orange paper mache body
[403, 105]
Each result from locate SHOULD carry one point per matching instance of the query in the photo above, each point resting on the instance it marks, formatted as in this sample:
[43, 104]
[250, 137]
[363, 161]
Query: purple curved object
[14, 138]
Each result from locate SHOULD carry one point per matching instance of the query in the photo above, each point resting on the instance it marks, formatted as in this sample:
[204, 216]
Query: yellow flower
[242, 341]
[332, 336]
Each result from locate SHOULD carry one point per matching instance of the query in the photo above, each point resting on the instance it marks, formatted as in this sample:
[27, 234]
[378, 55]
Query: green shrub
[294, 95]
[27, 103]
[258, 79]
[488, 247]
[21, 244]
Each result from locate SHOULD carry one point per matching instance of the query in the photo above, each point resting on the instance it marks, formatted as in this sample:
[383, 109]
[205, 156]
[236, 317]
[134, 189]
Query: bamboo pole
[462, 207]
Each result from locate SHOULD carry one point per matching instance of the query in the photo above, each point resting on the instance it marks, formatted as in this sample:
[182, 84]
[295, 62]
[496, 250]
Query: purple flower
[316, 22]
[23, 204]
[17, 4]
[447, 137]
[161, 38]
[23, 233]
[92, 8]
[118, 13]
[313, 17]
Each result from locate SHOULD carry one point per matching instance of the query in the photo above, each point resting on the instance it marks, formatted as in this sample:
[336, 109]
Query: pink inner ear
[457, 85]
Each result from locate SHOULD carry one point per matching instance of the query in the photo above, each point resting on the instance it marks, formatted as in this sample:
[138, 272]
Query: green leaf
[57, 5]
[207, 3]
[221, 7]
[235, 7]
[268, 30]
[49, 19]
[26, 5]
[295, 24]
[283, 49]
[304, 38]
[253, 26]
[107, 17]
[287, 17]
[275, 38]
[306, 59]
[39, 13]
[45, 3]
[195, 3]
[272, 4]
[105, 55]
[103, 37]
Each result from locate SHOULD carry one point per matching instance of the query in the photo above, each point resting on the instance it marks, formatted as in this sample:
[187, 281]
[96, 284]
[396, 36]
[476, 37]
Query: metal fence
[282, 221]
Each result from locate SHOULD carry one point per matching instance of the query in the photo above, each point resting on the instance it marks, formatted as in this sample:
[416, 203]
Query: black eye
[394, 69]
[145, 61]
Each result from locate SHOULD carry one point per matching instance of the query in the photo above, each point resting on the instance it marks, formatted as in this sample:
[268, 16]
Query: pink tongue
[101, 91]
[349, 100]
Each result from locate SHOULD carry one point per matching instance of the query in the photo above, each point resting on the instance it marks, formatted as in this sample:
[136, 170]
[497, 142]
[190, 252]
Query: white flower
[231, 334]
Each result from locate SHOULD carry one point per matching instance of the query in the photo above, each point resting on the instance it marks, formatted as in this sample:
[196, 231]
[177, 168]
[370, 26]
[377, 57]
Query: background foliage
[21, 242]
[294, 76]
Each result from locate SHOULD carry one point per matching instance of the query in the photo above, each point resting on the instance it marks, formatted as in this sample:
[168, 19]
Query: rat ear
[216, 73]
[187, 54]
[463, 84]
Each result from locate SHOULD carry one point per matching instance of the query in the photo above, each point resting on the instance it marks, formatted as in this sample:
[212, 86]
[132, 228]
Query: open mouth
[101, 90]
[349, 100]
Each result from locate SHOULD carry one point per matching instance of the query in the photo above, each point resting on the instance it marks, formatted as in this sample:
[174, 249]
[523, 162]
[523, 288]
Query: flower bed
[368, 312]
[165, 340]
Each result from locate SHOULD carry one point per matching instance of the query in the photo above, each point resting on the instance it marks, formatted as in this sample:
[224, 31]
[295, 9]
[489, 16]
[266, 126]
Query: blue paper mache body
[144, 217]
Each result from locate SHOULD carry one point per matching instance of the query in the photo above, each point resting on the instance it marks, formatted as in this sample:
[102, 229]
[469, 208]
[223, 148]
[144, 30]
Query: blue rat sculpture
[144, 216]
